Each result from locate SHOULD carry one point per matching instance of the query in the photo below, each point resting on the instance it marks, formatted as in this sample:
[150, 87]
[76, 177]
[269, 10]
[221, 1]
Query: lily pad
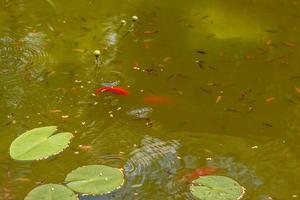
[51, 192]
[95, 179]
[217, 188]
[39, 143]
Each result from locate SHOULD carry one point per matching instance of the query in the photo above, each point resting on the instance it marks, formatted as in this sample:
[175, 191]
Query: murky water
[211, 83]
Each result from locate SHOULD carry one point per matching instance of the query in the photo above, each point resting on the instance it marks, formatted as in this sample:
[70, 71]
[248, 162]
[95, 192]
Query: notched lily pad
[217, 188]
[39, 143]
[51, 192]
[95, 179]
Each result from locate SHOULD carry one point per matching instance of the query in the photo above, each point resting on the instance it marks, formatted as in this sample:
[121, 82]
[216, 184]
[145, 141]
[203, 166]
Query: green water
[237, 111]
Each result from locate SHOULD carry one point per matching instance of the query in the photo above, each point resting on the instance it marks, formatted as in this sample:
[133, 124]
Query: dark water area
[211, 83]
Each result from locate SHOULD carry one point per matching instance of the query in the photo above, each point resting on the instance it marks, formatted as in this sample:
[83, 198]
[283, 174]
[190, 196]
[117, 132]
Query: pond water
[211, 83]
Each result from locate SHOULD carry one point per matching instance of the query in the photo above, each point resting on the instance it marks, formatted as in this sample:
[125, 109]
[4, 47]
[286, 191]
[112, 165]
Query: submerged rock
[140, 113]
[110, 84]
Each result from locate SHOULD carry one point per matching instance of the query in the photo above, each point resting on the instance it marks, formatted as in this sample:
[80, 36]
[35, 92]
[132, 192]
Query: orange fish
[116, 90]
[270, 99]
[203, 171]
[218, 99]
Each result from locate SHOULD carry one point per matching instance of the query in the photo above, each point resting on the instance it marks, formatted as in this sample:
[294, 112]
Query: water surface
[223, 74]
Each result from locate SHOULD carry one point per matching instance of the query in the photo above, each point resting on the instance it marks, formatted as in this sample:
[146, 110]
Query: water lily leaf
[95, 179]
[217, 188]
[39, 143]
[51, 192]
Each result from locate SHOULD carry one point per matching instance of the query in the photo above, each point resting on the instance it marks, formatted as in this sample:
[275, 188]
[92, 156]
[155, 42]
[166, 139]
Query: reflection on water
[246, 175]
[8, 187]
[113, 35]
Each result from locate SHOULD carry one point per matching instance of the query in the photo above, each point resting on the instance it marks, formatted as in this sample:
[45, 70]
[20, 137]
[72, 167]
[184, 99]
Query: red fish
[157, 100]
[203, 171]
[116, 90]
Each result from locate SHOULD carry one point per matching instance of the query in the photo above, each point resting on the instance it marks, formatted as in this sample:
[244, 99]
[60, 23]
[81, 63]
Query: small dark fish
[267, 124]
[85, 29]
[170, 77]
[210, 36]
[211, 67]
[179, 76]
[151, 71]
[8, 123]
[83, 19]
[200, 63]
[201, 52]
[252, 101]
[270, 31]
[208, 91]
[231, 110]
[183, 76]
[295, 77]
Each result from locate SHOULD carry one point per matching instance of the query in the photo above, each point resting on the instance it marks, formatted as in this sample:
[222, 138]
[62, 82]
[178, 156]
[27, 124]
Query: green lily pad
[39, 143]
[95, 179]
[217, 188]
[51, 192]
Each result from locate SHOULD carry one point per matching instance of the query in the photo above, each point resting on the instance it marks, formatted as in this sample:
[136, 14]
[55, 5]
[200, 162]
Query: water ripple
[153, 151]
[154, 163]
[28, 50]
[21, 59]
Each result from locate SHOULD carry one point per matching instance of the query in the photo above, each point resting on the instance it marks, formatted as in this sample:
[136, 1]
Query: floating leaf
[95, 179]
[217, 188]
[39, 143]
[51, 192]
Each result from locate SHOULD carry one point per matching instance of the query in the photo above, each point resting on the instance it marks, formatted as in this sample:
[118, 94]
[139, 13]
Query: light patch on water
[223, 23]
[112, 38]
